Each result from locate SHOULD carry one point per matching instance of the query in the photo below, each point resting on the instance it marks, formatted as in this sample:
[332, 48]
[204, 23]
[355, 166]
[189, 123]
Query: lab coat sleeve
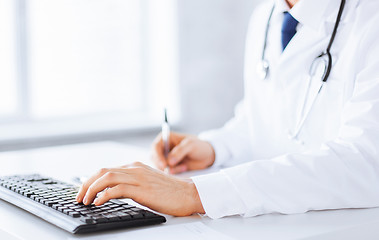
[231, 142]
[343, 173]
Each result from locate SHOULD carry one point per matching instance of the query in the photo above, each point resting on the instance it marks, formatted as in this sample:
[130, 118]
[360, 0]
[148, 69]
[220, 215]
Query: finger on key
[119, 191]
[108, 180]
[83, 189]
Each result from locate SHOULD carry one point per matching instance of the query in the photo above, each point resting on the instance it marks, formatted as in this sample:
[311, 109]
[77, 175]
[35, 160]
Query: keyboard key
[123, 215]
[148, 213]
[67, 211]
[75, 207]
[113, 205]
[61, 208]
[112, 217]
[112, 210]
[56, 206]
[87, 220]
[50, 203]
[127, 206]
[84, 212]
[55, 199]
[105, 208]
[29, 194]
[74, 214]
[119, 208]
[136, 215]
[100, 219]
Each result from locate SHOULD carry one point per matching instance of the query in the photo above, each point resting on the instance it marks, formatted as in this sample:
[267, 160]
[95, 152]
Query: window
[81, 66]
[8, 85]
[84, 57]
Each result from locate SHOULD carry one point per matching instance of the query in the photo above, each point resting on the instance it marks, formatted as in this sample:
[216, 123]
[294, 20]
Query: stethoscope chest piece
[262, 69]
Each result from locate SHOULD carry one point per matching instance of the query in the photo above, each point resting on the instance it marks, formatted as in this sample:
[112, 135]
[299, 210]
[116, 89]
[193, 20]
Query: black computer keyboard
[54, 201]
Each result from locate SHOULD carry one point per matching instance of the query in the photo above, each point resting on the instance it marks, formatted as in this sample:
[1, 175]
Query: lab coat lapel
[314, 33]
[312, 38]
[295, 61]
[293, 68]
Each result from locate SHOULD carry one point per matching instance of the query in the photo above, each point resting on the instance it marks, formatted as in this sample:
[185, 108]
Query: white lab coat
[337, 166]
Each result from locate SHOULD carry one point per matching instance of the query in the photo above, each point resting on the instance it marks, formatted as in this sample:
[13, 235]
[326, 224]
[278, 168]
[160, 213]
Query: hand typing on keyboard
[54, 201]
[145, 185]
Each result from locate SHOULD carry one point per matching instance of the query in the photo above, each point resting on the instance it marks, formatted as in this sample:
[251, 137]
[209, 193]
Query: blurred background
[90, 70]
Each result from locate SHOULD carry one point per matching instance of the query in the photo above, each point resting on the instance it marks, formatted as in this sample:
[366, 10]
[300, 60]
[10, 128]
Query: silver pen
[166, 138]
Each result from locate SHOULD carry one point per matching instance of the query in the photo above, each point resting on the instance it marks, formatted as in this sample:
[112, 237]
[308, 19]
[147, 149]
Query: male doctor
[305, 137]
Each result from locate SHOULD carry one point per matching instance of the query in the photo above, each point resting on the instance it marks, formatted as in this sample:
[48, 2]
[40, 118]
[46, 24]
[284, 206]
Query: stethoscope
[321, 66]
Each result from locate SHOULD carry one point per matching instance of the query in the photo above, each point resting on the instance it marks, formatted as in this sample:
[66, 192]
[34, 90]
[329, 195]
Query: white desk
[67, 162]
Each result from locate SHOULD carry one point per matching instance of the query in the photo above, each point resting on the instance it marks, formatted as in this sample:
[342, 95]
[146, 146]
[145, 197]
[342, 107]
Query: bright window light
[84, 57]
[86, 66]
[8, 81]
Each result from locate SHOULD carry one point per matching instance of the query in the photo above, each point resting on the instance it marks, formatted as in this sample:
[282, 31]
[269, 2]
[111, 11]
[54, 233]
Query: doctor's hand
[187, 152]
[147, 186]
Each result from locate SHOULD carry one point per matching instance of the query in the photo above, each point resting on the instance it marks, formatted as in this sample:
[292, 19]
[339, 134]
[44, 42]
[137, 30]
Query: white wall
[211, 50]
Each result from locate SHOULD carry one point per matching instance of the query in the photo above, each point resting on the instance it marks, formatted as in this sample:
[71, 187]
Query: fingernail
[172, 161]
[162, 165]
[96, 201]
[85, 200]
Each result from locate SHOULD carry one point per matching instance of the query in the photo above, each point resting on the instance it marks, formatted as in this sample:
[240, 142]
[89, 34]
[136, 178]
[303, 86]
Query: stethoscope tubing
[265, 67]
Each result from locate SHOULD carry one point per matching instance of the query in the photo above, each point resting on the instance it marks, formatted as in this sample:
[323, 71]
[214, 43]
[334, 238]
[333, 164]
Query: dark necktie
[288, 29]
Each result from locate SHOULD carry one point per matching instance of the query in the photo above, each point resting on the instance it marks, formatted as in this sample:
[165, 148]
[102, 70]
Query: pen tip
[165, 115]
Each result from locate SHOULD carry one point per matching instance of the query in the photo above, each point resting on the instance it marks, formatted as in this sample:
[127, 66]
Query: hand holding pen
[180, 152]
